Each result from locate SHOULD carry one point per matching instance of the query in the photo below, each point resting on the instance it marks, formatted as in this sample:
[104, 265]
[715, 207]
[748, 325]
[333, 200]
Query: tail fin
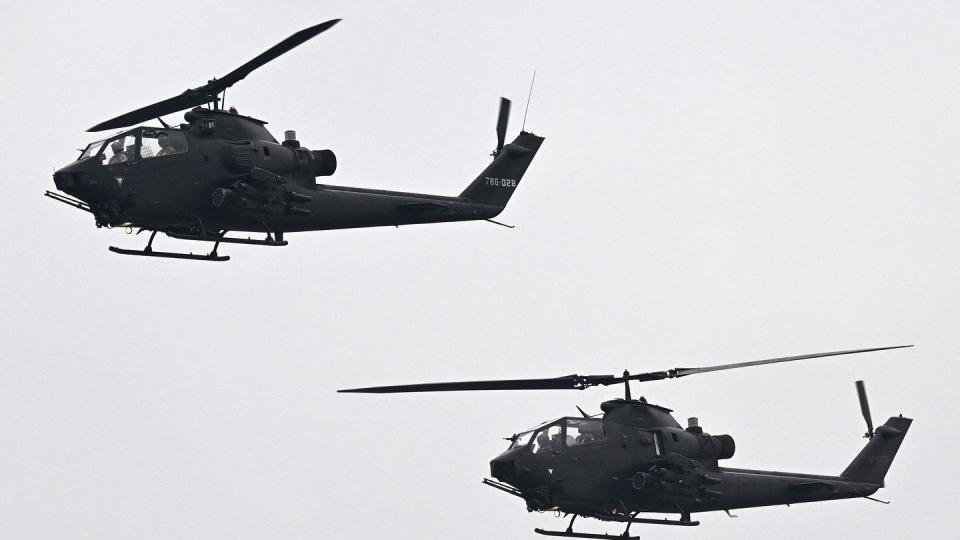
[497, 182]
[873, 462]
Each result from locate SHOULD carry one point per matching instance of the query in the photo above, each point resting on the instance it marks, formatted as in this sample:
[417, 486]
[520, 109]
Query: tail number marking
[501, 182]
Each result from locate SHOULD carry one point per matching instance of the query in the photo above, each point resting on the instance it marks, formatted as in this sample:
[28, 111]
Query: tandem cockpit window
[161, 142]
[547, 440]
[570, 432]
[128, 147]
[584, 431]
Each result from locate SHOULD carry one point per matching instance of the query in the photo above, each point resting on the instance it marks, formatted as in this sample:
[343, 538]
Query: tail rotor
[865, 409]
[502, 120]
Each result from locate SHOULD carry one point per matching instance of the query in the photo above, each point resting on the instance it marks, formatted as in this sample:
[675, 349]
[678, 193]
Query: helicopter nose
[503, 469]
[76, 177]
[67, 181]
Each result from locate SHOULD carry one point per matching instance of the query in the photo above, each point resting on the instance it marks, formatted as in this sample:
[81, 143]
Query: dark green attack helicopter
[222, 171]
[636, 458]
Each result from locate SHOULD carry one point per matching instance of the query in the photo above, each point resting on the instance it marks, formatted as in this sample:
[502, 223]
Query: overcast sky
[718, 184]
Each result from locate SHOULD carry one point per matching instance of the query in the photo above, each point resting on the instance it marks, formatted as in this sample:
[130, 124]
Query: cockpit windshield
[92, 149]
[521, 440]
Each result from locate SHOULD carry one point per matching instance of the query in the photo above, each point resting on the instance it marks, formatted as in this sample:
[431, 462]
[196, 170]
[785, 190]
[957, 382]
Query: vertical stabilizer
[873, 462]
[500, 179]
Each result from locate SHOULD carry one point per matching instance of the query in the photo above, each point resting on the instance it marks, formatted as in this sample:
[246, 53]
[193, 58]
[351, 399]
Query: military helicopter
[637, 458]
[222, 171]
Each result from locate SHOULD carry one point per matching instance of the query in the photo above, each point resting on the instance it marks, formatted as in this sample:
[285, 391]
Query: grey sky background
[718, 184]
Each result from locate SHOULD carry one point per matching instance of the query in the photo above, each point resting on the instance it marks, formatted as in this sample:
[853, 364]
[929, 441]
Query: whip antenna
[529, 95]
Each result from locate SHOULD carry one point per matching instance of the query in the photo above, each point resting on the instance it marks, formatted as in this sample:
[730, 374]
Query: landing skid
[212, 256]
[629, 520]
[571, 534]
[149, 252]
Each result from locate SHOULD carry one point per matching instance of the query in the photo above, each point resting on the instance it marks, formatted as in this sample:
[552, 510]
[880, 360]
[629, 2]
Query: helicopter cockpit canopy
[139, 143]
[566, 432]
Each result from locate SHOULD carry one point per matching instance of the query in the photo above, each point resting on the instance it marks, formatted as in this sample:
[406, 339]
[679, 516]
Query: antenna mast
[529, 95]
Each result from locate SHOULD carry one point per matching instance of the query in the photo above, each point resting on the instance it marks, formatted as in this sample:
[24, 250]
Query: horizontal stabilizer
[810, 486]
[420, 207]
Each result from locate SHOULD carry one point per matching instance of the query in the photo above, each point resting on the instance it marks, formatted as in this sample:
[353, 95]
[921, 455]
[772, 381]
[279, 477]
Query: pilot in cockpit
[590, 432]
[119, 156]
[556, 442]
[165, 147]
[169, 144]
[542, 443]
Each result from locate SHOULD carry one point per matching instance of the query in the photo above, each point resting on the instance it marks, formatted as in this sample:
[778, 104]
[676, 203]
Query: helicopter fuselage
[230, 174]
[645, 462]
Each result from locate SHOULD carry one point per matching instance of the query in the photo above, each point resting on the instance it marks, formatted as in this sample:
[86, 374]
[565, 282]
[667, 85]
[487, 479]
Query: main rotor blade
[187, 100]
[581, 382]
[683, 372]
[280, 48]
[569, 382]
[208, 92]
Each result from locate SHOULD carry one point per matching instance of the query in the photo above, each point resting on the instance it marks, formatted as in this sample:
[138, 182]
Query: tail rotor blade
[865, 408]
[502, 120]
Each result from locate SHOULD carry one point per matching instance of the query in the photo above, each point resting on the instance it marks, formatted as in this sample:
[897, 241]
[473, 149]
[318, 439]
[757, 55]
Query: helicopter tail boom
[500, 179]
[873, 462]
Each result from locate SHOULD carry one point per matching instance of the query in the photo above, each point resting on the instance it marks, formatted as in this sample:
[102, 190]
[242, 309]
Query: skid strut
[268, 241]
